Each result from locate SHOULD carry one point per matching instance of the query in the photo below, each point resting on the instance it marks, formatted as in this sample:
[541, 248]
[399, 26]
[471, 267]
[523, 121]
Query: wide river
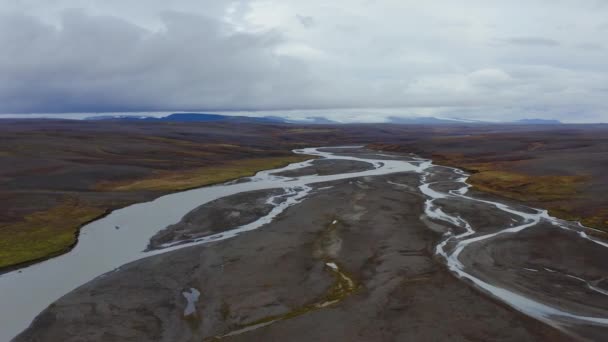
[102, 248]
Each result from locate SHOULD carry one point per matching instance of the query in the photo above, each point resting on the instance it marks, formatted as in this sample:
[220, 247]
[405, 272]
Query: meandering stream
[102, 248]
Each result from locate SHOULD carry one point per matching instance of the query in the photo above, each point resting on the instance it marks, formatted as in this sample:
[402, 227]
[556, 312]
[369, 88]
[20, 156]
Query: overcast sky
[348, 59]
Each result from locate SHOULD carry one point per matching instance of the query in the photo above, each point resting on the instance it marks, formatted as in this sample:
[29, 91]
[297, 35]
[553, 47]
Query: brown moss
[561, 195]
[176, 181]
[343, 286]
[225, 310]
[527, 188]
[558, 194]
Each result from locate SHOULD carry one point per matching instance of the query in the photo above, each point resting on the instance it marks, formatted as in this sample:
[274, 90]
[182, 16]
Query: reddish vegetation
[56, 175]
[563, 170]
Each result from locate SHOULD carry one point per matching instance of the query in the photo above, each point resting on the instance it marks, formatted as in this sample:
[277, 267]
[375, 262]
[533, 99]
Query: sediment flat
[219, 215]
[328, 167]
[353, 261]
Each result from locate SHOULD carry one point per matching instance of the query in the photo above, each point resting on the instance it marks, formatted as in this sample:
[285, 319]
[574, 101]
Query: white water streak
[538, 310]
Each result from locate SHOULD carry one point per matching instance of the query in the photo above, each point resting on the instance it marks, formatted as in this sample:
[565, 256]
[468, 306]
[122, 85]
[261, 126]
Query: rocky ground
[353, 262]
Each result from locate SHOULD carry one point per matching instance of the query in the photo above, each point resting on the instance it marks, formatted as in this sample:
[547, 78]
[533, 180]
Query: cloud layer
[94, 63]
[475, 59]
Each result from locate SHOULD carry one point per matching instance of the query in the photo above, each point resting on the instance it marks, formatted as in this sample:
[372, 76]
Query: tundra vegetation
[561, 169]
[57, 175]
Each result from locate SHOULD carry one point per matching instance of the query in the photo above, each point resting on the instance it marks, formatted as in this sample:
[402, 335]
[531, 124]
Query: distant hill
[191, 117]
[312, 120]
[121, 117]
[204, 117]
[429, 120]
[197, 117]
[423, 120]
[538, 122]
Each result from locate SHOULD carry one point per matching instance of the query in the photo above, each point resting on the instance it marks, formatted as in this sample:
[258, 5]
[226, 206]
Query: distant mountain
[429, 120]
[198, 117]
[423, 120]
[121, 117]
[467, 120]
[276, 118]
[538, 122]
[191, 117]
[204, 117]
[314, 120]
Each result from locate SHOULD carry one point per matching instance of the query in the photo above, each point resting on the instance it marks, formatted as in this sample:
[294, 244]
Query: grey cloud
[306, 21]
[590, 46]
[95, 63]
[120, 55]
[531, 41]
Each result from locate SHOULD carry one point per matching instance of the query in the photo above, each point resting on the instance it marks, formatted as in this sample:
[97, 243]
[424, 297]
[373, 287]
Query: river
[103, 248]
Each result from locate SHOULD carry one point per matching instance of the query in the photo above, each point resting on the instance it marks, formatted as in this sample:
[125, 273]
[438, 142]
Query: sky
[348, 60]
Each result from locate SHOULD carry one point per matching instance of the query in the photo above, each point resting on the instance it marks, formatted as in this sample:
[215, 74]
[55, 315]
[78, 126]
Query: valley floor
[355, 261]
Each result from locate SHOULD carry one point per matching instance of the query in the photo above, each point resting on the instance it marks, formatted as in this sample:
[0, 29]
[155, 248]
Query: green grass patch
[43, 234]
